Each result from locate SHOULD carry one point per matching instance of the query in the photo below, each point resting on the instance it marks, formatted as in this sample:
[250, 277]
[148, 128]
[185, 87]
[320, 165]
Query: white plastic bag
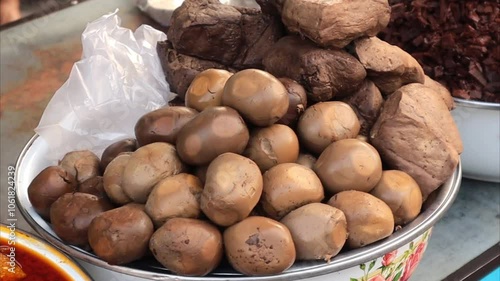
[118, 79]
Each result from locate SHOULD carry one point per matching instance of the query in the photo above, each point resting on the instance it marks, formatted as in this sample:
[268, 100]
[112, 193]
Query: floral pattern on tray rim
[397, 265]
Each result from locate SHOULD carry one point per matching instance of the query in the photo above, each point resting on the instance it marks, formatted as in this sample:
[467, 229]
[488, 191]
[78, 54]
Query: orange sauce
[35, 266]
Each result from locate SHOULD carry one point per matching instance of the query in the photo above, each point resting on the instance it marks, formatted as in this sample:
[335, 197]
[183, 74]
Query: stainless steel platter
[32, 160]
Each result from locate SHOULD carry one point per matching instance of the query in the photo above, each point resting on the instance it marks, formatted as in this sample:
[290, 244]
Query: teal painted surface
[493, 276]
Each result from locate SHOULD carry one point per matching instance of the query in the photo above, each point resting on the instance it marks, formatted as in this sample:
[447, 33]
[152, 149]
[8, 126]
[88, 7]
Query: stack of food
[302, 136]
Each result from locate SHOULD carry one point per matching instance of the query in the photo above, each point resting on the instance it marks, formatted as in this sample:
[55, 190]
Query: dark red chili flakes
[455, 41]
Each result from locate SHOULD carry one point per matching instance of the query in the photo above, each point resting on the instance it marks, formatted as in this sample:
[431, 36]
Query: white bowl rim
[477, 104]
[53, 255]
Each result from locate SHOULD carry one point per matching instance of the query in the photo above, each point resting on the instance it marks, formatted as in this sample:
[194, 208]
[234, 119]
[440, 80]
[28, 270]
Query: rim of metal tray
[429, 217]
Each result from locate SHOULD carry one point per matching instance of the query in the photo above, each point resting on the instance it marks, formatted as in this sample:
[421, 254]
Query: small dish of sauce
[24, 264]
[24, 257]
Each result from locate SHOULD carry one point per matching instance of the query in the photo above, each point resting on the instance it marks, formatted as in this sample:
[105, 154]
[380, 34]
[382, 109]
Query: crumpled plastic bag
[118, 79]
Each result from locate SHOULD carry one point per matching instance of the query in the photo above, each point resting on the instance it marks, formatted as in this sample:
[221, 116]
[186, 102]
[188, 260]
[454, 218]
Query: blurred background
[16, 11]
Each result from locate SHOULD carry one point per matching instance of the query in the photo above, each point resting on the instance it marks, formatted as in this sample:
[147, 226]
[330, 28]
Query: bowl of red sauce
[24, 257]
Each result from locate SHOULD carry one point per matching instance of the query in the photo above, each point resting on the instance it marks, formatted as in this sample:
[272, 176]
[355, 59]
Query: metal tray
[32, 160]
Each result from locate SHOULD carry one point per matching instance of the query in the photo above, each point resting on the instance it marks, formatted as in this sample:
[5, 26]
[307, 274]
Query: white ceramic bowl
[398, 254]
[43, 250]
[479, 126]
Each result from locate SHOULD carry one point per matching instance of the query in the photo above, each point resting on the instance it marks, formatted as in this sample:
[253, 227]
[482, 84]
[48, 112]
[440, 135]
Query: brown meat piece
[179, 69]
[415, 133]
[231, 35]
[206, 29]
[271, 7]
[336, 23]
[366, 102]
[324, 73]
[388, 66]
[441, 90]
[260, 32]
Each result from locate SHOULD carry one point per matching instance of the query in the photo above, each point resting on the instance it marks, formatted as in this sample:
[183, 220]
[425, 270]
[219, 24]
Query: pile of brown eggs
[246, 169]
